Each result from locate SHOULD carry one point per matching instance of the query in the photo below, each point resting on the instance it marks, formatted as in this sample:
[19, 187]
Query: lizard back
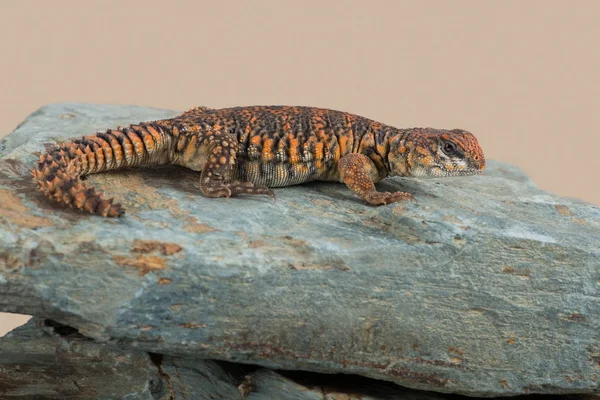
[280, 145]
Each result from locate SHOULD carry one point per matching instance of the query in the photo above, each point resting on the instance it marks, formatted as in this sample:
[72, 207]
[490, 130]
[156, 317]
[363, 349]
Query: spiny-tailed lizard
[248, 150]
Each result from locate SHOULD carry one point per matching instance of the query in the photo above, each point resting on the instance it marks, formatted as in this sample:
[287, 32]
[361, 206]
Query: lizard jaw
[438, 172]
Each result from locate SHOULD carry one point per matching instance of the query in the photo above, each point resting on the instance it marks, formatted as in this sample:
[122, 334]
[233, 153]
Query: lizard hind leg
[359, 173]
[217, 172]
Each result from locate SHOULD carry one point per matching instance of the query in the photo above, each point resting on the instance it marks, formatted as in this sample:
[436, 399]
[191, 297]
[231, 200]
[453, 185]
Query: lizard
[250, 150]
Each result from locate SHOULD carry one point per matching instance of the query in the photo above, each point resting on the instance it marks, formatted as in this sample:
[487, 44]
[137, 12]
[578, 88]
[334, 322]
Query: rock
[44, 359]
[486, 286]
[267, 385]
[201, 379]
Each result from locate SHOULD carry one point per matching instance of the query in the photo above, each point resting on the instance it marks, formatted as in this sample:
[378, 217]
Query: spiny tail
[59, 170]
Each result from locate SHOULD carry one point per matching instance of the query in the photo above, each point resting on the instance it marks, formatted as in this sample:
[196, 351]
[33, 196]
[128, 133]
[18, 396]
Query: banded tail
[59, 170]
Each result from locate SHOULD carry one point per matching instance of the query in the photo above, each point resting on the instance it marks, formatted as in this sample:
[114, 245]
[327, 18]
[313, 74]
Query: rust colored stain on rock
[12, 210]
[563, 210]
[255, 244]
[289, 240]
[10, 261]
[399, 210]
[164, 281]
[522, 272]
[148, 246]
[420, 377]
[144, 263]
[192, 225]
[191, 325]
[575, 317]
[268, 350]
[301, 267]
[456, 350]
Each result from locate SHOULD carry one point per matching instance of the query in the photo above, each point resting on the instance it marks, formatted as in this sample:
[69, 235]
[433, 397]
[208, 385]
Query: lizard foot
[359, 173]
[231, 189]
[379, 198]
[216, 177]
[249, 188]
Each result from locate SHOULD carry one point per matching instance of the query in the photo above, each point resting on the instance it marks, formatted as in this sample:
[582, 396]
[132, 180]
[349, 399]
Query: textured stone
[42, 359]
[485, 286]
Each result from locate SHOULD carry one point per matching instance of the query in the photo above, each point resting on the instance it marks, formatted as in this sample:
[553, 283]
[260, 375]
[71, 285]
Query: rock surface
[485, 286]
[43, 359]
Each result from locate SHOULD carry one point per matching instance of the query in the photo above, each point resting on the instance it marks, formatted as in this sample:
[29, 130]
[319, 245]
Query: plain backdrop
[524, 76]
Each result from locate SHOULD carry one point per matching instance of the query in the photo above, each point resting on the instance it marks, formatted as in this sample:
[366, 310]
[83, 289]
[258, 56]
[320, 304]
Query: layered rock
[485, 286]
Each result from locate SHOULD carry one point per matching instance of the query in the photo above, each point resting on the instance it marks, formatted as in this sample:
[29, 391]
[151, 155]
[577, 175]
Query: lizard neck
[398, 147]
[384, 138]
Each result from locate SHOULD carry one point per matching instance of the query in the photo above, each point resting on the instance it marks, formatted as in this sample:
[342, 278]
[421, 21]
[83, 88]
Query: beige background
[524, 76]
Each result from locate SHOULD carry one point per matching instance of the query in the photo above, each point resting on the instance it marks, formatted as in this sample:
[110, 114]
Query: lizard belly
[278, 174]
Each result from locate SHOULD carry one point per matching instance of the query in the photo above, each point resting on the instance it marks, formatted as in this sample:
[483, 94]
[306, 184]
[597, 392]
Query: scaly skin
[248, 150]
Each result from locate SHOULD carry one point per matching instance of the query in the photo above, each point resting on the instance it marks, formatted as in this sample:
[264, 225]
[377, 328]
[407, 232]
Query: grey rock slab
[484, 286]
[267, 384]
[192, 379]
[50, 361]
[44, 359]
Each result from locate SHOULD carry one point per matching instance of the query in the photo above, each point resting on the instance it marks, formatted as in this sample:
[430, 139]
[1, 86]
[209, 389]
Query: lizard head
[428, 152]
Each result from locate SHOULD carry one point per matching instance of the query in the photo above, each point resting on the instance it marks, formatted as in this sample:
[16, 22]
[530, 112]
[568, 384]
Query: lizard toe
[384, 198]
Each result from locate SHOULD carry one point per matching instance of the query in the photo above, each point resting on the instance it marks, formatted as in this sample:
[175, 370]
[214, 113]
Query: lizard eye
[449, 148]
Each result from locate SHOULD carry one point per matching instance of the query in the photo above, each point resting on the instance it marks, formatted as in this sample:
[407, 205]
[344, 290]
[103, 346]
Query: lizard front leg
[215, 180]
[359, 173]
